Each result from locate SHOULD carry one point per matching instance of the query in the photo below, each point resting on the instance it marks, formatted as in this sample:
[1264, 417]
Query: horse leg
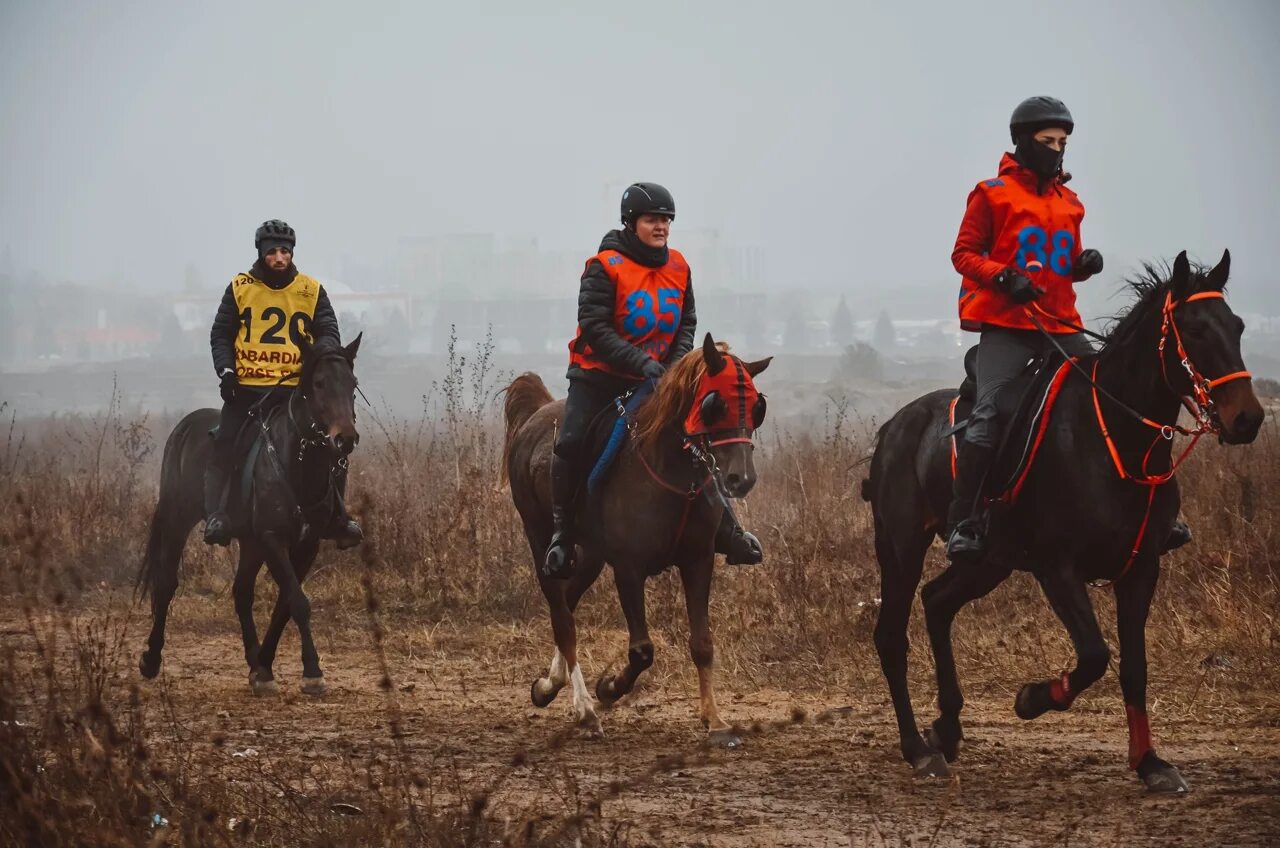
[943, 598]
[899, 576]
[261, 678]
[1069, 597]
[250, 564]
[164, 553]
[565, 632]
[630, 583]
[1133, 602]
[696, 577]
[288, 577]
[545, 689]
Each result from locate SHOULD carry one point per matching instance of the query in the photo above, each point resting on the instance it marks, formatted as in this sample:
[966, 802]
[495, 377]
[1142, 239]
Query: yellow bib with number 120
[271, 323]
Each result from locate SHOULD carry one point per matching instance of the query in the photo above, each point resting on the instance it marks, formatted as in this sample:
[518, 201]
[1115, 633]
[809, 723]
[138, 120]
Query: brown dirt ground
[816, 768]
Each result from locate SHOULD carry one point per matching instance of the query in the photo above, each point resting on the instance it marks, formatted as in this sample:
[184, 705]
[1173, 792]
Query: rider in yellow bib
[263, 313]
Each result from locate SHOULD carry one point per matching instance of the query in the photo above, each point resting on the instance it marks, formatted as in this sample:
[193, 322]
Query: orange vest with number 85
[648, 305]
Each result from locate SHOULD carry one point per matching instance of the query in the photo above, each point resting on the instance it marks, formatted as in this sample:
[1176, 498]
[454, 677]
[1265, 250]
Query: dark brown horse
[651, 512]
[309, 432]
[1081, 513]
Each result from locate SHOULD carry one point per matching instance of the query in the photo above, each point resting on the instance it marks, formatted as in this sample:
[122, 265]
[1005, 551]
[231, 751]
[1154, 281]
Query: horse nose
[1247, 425]
[345, 445]
[738, 484]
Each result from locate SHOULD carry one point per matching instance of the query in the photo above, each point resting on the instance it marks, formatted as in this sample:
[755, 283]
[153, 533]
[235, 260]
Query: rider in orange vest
[1019, 243]
[635, 317]
[1023, 223]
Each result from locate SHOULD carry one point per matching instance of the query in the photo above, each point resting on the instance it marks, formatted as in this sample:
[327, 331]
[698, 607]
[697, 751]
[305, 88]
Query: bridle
[1200, 404]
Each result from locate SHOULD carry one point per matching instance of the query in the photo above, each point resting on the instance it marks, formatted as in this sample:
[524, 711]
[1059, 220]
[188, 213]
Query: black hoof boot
[217, 530]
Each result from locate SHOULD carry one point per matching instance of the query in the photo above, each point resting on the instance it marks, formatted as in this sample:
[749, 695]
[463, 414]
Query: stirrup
[348, 535]
[558, 562]
[966, 542]
[216, 530]
[743, 549]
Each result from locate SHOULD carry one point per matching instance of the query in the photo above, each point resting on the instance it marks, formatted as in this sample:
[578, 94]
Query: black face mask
[1042, 160]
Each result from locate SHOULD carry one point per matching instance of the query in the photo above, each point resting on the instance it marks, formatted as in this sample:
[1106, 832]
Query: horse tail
[525, 396]
[170, 482]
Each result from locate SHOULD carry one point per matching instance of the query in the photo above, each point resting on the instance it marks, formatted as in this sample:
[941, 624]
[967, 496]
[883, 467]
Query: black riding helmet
[646, 199]
[272, 234]
[1037, 113]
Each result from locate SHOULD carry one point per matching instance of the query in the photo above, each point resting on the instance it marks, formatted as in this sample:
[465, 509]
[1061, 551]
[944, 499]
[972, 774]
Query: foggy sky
[138, 138]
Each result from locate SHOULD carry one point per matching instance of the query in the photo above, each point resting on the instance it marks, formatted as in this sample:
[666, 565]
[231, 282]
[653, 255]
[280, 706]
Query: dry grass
[81, 752]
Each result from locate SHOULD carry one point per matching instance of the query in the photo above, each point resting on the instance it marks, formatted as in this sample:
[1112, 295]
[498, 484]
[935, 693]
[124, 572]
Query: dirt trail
[838, 781]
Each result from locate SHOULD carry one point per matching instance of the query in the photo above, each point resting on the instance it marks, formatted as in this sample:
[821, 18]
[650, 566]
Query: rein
[698, 449]
[1200, 404]
[313, 435]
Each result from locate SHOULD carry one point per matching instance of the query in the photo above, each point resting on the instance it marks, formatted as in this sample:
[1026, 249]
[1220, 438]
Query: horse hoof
[261, 686]
[725, 738]
[542, 695]
[590, 725]
[1025, 705]
[149, 668]
[607, 690]
[1165, 780]
[949, 750]
[315, 686]
[931, 765]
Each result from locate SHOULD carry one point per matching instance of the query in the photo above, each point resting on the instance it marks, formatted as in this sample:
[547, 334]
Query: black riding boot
[966, 539]
[345, 531]
[559, 560]
[738, 546]
[217, 527]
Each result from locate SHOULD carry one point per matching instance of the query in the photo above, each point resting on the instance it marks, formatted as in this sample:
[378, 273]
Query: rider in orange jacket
[1023, 223]
[635, 318]
[1019, 244]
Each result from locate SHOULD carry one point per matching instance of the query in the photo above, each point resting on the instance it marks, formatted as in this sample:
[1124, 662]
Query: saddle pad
[1024, 430]
[615, 424]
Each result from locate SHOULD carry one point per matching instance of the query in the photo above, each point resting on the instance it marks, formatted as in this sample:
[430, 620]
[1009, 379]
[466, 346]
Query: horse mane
[670, 402]
[1148, 288]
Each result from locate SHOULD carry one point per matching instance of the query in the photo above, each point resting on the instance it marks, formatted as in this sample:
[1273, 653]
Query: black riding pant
[587, 398]
[1003, 353]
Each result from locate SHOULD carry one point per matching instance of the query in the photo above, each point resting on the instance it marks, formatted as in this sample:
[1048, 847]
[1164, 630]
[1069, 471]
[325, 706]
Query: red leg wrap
[1139, 734]
[1060, 691]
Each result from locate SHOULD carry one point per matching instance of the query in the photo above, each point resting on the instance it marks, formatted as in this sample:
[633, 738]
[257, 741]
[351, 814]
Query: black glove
[652, 370]
[1088, 263]
[227, 386]
[1018, 286]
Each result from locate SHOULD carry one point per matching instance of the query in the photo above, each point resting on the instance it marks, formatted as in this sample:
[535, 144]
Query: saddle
[1024, 407]
[248, 444]
[608, 433]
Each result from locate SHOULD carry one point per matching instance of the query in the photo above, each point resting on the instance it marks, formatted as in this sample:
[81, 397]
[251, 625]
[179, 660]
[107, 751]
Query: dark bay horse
[651, 512]
[1102, 473]
[310, 431]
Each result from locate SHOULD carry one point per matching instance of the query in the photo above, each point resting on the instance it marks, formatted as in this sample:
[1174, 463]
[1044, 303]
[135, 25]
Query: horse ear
[350, 350]
[712, 356]
[755, 368]
[1181, 279]
[1217, 279]
[305, 347]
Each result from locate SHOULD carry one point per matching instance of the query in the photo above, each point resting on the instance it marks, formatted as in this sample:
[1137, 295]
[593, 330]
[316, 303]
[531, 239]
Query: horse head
[724, 411]
[1200, 346]
[328, 386]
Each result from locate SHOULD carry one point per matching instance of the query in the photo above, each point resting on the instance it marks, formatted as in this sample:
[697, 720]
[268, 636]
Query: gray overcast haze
[843, 137]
